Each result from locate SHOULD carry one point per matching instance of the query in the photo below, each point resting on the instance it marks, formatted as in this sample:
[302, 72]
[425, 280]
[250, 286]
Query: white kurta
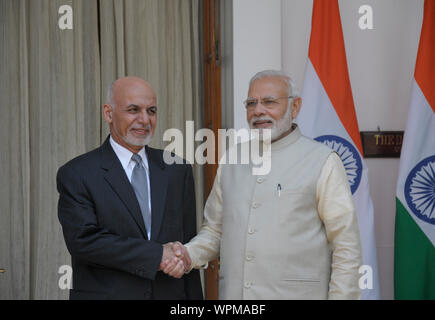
[290, 234]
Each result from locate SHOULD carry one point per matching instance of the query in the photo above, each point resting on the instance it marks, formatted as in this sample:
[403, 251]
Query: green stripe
[414, 259]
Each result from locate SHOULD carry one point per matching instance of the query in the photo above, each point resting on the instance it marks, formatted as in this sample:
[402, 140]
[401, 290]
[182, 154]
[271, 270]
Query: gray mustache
[147, 127]
[261, 119]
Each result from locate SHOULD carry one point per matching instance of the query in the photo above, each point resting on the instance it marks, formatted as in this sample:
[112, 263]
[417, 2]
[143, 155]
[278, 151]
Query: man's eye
[269, 102]
[251, 103]
[152, 110]
[132, 110]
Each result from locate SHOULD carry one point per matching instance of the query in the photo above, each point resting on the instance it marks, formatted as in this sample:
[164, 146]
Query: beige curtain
[51, 94]
[14, 155]
[157, 40]
[49, 101]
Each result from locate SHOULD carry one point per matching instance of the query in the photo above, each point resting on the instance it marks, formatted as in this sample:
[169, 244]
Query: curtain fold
[14, 154]
[157, 40]
[51, 99]
[64, 118]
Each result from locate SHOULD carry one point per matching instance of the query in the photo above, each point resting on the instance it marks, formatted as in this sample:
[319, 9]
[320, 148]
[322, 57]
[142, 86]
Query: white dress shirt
[124, 155]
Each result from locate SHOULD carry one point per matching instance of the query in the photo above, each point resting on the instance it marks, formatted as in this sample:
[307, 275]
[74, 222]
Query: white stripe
[316, 118]
[315, 101]
[418, 144]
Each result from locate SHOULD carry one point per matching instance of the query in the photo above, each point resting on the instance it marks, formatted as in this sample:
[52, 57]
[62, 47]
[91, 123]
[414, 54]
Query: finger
[163, 264]
[167, 251]
[176, 268]
[168, 245]
[177, 247]
[187, 265]
[171, 265]
[178, 271]
[186, 257]
[187, 260]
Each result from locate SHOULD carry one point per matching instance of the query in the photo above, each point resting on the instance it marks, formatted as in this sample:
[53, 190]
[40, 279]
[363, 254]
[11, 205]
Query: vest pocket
[302, 190]
[304, 288]
[297, 281]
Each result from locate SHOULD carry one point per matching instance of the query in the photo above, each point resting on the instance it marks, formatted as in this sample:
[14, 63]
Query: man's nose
[143, 117]
[259, 109]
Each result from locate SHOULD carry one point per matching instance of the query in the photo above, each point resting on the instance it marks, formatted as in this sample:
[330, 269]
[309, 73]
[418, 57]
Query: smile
[263, 123]
[142, 132]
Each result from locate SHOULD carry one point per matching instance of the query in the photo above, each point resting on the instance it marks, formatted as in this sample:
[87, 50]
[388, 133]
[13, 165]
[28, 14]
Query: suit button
[260, 180]
[249, 257]
[251, 230]
[248, 285]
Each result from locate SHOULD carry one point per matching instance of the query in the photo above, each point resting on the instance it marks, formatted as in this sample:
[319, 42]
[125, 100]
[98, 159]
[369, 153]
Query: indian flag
[414, 269]
[328, 115]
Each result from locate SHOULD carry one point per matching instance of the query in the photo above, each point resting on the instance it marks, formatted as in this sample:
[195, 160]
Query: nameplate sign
[382, 144]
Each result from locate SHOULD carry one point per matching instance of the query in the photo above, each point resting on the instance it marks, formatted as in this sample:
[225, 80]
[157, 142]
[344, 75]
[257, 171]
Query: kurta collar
[287, 140]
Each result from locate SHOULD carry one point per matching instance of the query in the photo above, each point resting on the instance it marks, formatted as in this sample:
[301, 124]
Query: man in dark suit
[121, 207]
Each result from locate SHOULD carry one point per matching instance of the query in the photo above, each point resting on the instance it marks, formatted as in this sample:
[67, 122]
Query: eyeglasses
[268, 102]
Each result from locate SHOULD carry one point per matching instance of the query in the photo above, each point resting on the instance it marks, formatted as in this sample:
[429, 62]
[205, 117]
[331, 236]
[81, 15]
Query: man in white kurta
[289, 234]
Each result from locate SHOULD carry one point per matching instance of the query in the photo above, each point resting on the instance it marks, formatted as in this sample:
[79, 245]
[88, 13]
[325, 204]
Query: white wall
[381, 67]
[256, 46]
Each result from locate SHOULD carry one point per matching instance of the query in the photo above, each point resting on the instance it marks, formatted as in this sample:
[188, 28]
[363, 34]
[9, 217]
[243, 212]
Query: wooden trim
[212, 111]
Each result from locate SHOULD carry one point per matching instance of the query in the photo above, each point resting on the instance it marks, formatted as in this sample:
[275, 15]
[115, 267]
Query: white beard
[138, 142]
[279, 127]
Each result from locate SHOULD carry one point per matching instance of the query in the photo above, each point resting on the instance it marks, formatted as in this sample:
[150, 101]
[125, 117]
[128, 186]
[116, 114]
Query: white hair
[109, 95]
[291, 86]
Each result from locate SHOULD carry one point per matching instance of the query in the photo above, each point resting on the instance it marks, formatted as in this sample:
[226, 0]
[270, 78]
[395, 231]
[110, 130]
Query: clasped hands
[175, 260]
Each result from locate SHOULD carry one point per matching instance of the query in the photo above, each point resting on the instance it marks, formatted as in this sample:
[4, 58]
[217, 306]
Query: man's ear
[107, 113]
[296, 107]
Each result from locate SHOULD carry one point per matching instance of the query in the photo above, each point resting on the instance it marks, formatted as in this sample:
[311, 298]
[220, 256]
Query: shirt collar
[124, 155]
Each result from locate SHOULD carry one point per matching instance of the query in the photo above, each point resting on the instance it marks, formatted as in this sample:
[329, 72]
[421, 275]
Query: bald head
[121, 85]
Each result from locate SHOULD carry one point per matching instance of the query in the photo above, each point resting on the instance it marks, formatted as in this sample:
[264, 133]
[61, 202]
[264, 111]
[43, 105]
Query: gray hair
[291, 86]
[109, 95]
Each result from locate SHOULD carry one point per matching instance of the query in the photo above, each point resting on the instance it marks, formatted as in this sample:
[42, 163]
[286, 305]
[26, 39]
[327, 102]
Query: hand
[176, 260]
[182, 253]
[171, 264]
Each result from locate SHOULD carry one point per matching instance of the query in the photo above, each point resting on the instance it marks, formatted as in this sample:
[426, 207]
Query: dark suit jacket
[104, 231]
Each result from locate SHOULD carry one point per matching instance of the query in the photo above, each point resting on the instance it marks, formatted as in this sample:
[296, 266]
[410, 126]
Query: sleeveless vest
[274, 244]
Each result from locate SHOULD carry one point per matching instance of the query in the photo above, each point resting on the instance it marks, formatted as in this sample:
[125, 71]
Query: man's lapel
[116, 177]
[158, 185]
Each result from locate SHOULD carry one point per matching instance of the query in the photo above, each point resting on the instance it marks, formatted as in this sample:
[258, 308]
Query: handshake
[175, 260]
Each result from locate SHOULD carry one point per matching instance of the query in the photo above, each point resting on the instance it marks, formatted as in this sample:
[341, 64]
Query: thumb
[178, 249]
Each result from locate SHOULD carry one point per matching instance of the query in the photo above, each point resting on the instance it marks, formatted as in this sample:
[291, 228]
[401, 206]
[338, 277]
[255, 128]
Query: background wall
[275, 34]
[256, 45]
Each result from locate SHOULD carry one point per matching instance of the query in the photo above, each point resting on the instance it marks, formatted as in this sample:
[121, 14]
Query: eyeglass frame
[262, 101]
